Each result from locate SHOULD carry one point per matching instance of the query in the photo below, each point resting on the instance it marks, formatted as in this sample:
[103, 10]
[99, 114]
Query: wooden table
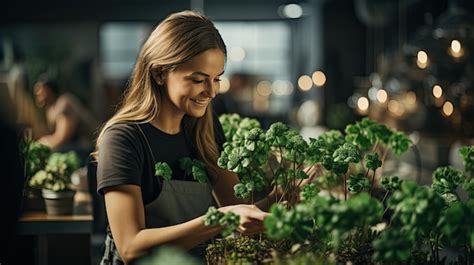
[58, 232]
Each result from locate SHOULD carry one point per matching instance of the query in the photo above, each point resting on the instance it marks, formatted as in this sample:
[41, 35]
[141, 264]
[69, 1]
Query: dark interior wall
[344, 53]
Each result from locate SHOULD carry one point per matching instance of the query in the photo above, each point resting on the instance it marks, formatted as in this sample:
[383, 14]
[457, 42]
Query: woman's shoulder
[128, 131]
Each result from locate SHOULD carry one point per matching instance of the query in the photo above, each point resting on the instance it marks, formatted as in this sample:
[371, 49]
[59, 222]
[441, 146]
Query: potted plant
[35, 156]
[54, 180]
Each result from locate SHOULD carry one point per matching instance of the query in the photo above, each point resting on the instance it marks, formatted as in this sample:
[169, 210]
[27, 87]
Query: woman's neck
[169, 119]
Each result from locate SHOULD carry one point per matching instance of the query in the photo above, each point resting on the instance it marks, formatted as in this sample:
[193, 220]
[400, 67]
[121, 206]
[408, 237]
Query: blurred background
[314, 64]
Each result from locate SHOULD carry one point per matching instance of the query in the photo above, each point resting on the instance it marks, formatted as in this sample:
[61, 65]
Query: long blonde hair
[177, 39]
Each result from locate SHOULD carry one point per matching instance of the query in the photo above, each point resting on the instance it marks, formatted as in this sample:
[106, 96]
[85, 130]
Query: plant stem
[375, 146]
[385, 196]
[345, 187]
[384, 156]
[372, 184]
[437, 248]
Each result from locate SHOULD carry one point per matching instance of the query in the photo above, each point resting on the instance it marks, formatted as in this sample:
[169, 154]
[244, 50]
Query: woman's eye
[198, 81]
[217, 80]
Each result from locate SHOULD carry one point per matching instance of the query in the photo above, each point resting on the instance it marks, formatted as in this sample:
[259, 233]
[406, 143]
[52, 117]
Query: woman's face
[192, 85]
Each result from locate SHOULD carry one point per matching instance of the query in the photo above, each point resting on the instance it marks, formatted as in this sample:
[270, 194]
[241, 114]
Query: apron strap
[149, 147]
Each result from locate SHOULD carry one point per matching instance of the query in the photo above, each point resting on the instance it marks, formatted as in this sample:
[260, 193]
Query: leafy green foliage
[416, 208]
[446, 180]
[277, 134]
[35, 155]
[57, 172]
[372, 161]
[247, 156]
[457, 223]
[358, 183]
[309, 192]
[418, 217]
[467, 154]
[360, 134]
[295, 223]
[194, 167]
[229, 221]
[469, 187]
[393, 246]
[296, 149]
[162, 169]
[391, 183]
[321, 149]
[357, 212]
[399, 143]
[345, 154]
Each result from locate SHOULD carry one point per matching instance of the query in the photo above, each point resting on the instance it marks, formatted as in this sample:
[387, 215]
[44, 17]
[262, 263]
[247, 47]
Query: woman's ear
[158, 77]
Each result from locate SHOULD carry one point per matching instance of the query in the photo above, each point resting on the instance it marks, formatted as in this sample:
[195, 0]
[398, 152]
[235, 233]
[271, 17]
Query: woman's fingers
[258, 215]
[251, 227]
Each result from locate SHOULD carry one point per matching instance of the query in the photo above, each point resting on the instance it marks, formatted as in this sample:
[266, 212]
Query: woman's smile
[201, 102]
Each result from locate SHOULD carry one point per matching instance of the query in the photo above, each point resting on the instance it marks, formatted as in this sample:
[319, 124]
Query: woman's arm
[126, 217]
[64, 131]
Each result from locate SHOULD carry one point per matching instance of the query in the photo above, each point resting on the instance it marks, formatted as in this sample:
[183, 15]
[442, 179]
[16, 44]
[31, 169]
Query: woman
[166, 115]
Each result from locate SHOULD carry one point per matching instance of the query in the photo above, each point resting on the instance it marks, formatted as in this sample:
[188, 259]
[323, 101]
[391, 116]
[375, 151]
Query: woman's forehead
[210, 62]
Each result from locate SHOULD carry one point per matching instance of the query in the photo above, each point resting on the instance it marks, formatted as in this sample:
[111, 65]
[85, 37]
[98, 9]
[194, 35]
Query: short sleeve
[120, 158]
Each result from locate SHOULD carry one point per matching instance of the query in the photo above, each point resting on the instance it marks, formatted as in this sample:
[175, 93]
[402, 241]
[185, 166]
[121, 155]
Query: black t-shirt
[124, 156]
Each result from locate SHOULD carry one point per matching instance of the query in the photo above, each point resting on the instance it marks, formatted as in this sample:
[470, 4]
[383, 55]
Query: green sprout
[194, 167]
[162, 169]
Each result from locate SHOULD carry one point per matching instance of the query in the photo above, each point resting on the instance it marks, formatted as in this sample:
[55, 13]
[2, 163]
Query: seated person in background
[71, 125]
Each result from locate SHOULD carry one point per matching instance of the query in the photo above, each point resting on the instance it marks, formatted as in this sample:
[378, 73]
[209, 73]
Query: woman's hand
[312, 172]
[251, 218]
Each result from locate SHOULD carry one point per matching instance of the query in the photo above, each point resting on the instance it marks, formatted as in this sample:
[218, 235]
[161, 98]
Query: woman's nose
[211, 89]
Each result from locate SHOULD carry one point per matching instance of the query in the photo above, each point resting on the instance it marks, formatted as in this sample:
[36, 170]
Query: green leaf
[162, 169]
[372, 161]
[358, 183]
[399, 143]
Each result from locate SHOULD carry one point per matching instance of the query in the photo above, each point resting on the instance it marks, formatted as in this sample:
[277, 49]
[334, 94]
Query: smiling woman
[191, 86]
[166, 116]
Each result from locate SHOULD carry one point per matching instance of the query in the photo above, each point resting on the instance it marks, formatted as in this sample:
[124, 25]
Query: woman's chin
[196, 114]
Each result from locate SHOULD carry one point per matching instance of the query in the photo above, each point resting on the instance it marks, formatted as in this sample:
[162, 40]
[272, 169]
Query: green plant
[35, 156]
[162, 169]
[229, 221]
[57, 172]
[194, 167]
[409, 225]
[249, 149]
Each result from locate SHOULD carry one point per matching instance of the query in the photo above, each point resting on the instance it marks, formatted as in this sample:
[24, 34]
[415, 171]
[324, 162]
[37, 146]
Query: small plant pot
[59, 202]
[33, 201]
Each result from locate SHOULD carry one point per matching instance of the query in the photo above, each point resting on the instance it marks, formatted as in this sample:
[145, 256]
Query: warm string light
[282, 87]
[422, 59]
[411, 97]
[437, 91]
[319, 78]
[264, 88]
[396, 107]
[305, 83]
[455, 49]
[382, 96]
[363, 104]
[448, 108]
